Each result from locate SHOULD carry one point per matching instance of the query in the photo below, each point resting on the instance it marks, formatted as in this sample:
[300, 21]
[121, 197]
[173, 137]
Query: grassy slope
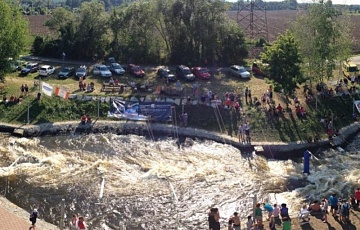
[265, 128]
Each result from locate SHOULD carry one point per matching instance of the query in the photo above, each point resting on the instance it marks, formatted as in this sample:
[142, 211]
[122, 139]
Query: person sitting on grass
[279, 109]
[111, 82]
[83, 119]
[88, 119]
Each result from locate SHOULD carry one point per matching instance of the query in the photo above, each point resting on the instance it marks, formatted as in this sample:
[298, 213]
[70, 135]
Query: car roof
[45, 66]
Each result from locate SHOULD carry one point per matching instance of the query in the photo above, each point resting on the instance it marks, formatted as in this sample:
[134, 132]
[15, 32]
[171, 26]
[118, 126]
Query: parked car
[102, 70]
[17, 65]
[66, 72]
[184, 72]
[46, 70]
[30, 68]
[165, 73]
[135, 70]
[111, 60]
[116, 68]
[239, 71]
[200, 72]
[81, 72]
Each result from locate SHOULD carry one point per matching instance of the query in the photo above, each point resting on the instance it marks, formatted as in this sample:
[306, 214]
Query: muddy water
[138, 176]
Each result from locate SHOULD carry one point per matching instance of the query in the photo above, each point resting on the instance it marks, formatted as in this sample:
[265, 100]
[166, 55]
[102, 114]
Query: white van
[46, 70]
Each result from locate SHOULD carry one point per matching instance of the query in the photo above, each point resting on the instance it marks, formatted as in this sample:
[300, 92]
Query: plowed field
[277, 22]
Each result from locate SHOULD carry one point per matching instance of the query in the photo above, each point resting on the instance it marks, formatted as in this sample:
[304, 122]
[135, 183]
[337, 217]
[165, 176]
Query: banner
[46, 89]
[357, 105]
[157, 111]
[60, 92]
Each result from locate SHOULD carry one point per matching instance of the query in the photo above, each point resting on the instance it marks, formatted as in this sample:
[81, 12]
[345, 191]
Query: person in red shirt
[357, 196]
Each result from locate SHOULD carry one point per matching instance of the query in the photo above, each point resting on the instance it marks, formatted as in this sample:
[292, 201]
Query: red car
[200, 72]
[135, 70]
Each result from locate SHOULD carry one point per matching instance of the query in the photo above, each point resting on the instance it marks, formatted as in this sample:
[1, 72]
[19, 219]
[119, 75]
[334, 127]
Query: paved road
[13, 217]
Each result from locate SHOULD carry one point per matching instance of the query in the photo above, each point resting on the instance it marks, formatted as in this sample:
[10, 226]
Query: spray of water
[114, 180]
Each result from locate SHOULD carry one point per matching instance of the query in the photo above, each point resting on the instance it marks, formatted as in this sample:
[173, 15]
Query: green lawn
[285, 128]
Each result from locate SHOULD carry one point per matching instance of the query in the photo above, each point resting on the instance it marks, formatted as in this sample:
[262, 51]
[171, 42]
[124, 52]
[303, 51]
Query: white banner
[46, 89]
[357, 105]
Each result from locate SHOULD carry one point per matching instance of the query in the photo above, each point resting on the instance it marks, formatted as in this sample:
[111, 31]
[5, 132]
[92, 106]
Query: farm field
[278, 21]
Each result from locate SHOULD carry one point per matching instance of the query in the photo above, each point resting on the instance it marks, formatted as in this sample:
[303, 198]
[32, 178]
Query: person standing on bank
[33, 217]
[235, 221]
[81, 223]
[214, 218]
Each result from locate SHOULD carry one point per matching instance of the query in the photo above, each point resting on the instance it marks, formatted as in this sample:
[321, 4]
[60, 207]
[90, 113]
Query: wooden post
[28, 113]
[98, 108]
[62, 214]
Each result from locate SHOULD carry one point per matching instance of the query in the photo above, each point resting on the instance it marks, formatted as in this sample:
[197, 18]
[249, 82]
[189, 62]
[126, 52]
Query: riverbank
[276, 150]
[13, 217]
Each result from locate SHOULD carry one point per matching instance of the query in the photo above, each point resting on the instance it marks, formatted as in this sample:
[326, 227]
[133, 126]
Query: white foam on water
[203, 174]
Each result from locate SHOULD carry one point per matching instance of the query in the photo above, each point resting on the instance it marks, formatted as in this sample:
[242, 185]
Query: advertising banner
[46, 89]
[157, 111]
[60, 92]
[357, 105]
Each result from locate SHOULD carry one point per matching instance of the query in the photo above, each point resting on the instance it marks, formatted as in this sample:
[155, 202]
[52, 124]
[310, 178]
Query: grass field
[264, 126]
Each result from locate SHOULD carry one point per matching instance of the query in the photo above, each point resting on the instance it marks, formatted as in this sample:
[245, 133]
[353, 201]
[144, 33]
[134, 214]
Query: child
[258, 215]
[249, 223]
[286, 223]
[272, 223]
[325, 207]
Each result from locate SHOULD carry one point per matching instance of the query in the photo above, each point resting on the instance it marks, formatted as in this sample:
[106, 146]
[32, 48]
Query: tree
[284, 61]
[13, 35]
[324, 38]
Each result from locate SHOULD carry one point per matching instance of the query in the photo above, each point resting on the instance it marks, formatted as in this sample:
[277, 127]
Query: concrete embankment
[277, 150]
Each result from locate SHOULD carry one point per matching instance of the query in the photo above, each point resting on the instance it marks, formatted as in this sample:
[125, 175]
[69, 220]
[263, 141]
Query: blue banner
[154, 111]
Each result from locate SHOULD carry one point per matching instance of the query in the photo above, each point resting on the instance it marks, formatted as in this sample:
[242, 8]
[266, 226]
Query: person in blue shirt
[334, 202]
[268, 207]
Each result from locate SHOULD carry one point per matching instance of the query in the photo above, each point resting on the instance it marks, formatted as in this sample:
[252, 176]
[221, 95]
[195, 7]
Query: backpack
[345, 209]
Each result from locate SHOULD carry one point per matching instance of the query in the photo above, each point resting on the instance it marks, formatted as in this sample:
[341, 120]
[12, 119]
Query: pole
[254, 205]
[28, 113]
[98, 107]
[62, 214]
[40, 84]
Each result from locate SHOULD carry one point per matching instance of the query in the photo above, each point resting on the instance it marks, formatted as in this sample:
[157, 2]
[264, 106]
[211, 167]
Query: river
[157, 185]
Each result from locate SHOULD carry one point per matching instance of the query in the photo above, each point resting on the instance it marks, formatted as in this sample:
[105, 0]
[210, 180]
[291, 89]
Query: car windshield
[353, 69]
[103, 68]
[43, 69]
[136, 68]
[242, 70]
[81, 70]
[65, 70]
[186, 71]
[28, 66]
[116, 66]
[203, 70]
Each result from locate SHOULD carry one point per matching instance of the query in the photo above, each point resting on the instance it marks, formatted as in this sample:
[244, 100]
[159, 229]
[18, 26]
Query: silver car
[239, 71]
[116, 68]
[102, 70]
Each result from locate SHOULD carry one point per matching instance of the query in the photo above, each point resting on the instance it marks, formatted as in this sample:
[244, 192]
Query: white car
[46, 70]
[239, 71]
[102, 70]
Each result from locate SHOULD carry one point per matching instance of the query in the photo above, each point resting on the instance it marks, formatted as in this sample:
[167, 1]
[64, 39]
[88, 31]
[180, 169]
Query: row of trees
[319, 41]
[154, 31]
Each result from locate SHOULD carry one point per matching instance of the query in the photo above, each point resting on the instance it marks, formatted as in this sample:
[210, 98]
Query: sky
[347, 2]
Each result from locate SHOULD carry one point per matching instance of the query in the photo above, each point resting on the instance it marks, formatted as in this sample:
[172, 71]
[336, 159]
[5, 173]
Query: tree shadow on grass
[35, 110]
